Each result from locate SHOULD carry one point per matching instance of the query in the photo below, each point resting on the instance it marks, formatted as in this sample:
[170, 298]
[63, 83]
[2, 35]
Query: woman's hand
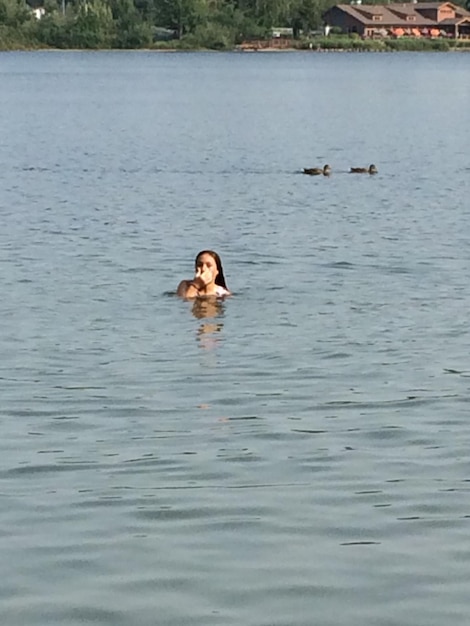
[202, 278]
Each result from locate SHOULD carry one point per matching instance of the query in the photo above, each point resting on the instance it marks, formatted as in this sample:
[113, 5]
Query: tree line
[93, 24]
[145, 23]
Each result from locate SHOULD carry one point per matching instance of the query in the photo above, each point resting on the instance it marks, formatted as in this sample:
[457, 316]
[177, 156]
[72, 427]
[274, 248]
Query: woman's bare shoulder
[183, 288]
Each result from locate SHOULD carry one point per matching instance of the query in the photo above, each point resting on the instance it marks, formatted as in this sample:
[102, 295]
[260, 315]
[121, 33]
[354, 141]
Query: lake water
[295, 455]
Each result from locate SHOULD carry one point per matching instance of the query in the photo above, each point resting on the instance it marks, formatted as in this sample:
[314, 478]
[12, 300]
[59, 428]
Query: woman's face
[207, 263]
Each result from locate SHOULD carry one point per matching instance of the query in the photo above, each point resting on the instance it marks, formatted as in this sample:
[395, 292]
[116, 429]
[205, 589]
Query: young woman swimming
[209, 279]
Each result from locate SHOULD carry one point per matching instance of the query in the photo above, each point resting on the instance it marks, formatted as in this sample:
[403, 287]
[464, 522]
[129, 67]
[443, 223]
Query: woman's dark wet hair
[220, 278]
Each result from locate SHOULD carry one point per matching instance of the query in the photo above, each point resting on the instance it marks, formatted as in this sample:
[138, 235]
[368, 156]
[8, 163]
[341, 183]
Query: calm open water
[296, 455]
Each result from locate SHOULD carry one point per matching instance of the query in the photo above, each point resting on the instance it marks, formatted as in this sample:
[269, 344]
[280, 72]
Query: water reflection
[208, 309]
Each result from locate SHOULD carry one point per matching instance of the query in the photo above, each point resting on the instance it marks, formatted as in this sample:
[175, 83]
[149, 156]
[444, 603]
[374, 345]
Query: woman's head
[211, 258]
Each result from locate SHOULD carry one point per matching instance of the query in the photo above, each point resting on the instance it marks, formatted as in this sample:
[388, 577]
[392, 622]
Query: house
[416, 19]
[282, 33]
[38, 12]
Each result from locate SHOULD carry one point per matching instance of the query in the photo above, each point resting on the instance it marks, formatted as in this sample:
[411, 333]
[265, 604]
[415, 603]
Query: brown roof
[457, 20]
[435, 5]
[395, 14]
[406, 9]
[459, 10]
[364, 13]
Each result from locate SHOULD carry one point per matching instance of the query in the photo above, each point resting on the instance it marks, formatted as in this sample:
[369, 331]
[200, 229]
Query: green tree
[273, 12]
[307, 15]
[93, 25]
[182, 16]
[14, 13]
[51, 30]
[131, 31]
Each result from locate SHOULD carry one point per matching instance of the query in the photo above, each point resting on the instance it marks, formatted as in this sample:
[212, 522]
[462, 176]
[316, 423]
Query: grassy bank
[341, 42]
[332, 43]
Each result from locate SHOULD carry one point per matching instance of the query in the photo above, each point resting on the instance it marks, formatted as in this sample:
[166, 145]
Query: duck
[316, 171]
[364, 170]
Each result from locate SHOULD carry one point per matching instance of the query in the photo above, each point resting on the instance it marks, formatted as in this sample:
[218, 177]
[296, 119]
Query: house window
[410, 18]
[376, 18]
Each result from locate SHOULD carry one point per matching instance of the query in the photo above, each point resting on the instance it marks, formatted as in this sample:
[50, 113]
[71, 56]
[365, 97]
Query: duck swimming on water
[316, 171]
[364, 170]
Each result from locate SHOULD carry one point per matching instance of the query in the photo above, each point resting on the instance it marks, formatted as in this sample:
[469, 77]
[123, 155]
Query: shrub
[336, 30]
[412, 44]
[212, 36]
[460, 43]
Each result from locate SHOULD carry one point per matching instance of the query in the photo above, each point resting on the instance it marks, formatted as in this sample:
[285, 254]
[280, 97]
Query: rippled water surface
[295, 455]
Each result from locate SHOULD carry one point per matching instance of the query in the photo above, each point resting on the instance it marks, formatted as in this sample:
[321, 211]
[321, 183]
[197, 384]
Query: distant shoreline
[250, 51]
[355, 46]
